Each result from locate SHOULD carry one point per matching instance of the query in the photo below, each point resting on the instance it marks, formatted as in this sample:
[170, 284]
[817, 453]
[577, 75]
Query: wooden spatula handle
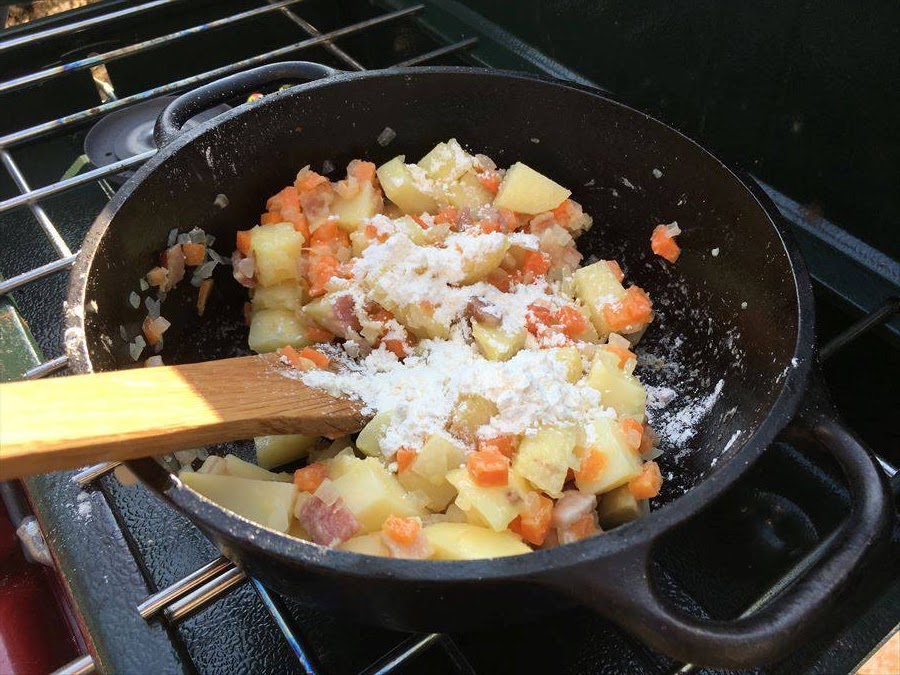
[67, 422]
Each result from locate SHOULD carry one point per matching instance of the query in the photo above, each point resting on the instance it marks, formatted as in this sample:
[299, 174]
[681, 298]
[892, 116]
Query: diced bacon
[328, 525]
[345, 314]
[243, 269]
[572, 506]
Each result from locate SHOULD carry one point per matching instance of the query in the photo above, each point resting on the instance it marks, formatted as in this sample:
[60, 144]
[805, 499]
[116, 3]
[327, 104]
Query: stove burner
[129, 132]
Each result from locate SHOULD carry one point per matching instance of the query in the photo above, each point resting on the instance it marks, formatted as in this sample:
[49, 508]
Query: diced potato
[272, 451]
[263, 502]
[471, 412]
[271, 329]
[359, 242]
[287, 296]
[373, 494]
[403, 189]
[571, 357]
[619, 506]
[276, 249]
[468, 193]
[435, 495]
[411, 229]
[597, 286]
[545, 458]
[477, 268]
[495, 343]
[421, 322]
[446, 162]
[494, 507]
[428, 472]
[618, 390]
[235, 466]
[339, 463]
[462, 541]
[367, 544]
[526, 191]
[369, 439]
[622, 463]
[353, 211]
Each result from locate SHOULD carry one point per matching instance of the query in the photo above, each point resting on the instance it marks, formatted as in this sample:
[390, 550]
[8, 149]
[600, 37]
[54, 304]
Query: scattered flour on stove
[681, 427]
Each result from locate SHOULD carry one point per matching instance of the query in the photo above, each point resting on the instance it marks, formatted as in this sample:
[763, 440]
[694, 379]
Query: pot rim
[642, 532]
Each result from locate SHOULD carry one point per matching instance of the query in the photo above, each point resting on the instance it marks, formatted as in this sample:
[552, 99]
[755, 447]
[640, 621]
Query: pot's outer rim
[640, 533]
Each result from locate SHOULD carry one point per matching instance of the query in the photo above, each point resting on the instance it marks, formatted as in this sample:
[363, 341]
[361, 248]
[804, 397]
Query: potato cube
[353, 211]
[263, 502]
[476, 268]
[571, 358]
[403, 188]
[439, 455]
[619, 506]
[276, 249]
[526, 191]
[272, 451]
[494, 507]
[621, 462]
[421, 322]
[369, 439]
[435, 495]
[468, 193]
[545, 458]
[271, 329]
[287, 296]
[495, 343]
[372, 494]
[367, 544]
[597, 286]
[462, 541]
[235, 466]
[618, 390]
[446, 162]
[472, 411]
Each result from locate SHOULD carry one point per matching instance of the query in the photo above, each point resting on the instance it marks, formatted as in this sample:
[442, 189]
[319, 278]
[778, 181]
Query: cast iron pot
[762, 351]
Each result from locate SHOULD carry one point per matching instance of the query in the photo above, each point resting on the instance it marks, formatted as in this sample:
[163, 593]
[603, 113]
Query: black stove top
[118, 544]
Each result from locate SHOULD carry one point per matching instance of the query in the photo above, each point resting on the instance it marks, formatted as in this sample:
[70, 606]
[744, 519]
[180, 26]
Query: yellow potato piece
[272, 451]
[355, 210]
[462, 541]
[263, 502]
[401, 187]
[373, 494]
[271, 329]
[235, 466]
[619, 506]
[446, 161]
[618, 390]
[596, 286]
[622, 463]
[495, 343]
[526, 191]
[287, 296]
[276, 249]
[545, 458]
[367, 544]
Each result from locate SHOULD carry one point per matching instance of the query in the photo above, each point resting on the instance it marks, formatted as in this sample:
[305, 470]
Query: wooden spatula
[69, 422]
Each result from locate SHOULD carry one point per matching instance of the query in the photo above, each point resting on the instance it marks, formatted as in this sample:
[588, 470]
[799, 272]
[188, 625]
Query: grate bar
[67, 120]
[405, 650]
[81, 179]
[272, 605]
[461, 46]
[91, 473]
[47, 368]
[46, 224]
[137, 48]
[83, 665]
[203, 595]
[329, 46]
[75, 26]
[11, 284]
[153, 604]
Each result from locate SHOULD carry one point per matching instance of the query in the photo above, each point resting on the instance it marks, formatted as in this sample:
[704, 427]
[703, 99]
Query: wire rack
[212, 581]
[215, 579]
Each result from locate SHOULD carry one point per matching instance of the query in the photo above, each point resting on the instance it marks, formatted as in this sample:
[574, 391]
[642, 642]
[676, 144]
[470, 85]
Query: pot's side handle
[183, 108]
[781, 625]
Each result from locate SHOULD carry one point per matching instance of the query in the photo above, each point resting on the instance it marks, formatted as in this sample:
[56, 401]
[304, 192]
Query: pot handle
[785, 620]
[183, 108]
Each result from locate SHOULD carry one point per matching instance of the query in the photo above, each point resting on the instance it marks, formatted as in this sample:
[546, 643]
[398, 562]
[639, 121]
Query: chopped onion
[161, 325]
[137, 347]
[142, 282]
[222, 260]
[153, 361]
[123, 333]
[221, 201]
[327, 166]
[210, 240]
[152, 306]
[327, 493]
[206, 269]
[672, 229]
[134, 300]
[386, 136]
[617, 340]
[173, 237]
[197, 236]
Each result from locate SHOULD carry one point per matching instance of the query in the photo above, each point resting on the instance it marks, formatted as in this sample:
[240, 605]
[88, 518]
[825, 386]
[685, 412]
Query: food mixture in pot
[448, 297]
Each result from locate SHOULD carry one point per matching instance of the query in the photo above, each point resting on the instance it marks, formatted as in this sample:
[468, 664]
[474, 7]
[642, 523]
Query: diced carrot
[648, 483]
[633, 431]
[293, 357]
[309, 478]
[490, 180]
[271, 218]
[314, 355]
[631, 313]
[286, 199]
[380, 314]
[362, 171]
[308, 180]
[402, 530]
[536, 262]
[505, 444]
[448, 214]
[537, 317]
[405, 458]
[193, 254]
[562, 214]
[328, 234]
[205, 288]
[419, 221]
[397, 347]
[616, 270]
[533, 524]
[301, 225]
[572, 321]
[664, 244]
[489, 226]
[499, 279]
[592, 464]
[318, 334]
[583, 527]
[488, 468]
[624, 355]
[150, 331]
[243, 241]
[322, 267]
[157, 276]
